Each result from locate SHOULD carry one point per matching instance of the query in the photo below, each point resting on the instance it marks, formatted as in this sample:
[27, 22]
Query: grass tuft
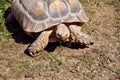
[4, 4]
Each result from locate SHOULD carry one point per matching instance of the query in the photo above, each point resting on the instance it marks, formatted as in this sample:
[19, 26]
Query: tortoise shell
[39, 15]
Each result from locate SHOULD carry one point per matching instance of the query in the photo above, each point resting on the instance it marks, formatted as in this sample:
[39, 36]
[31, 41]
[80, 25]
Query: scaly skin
[79, 37]
[40, 43]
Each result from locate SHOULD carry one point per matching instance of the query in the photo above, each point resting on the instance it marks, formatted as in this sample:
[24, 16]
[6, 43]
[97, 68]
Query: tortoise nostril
[58, 35]
[91, 43]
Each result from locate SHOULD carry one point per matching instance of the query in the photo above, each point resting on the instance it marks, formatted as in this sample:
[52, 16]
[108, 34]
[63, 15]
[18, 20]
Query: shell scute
[37, 9]
[75, 6]
[58, 9]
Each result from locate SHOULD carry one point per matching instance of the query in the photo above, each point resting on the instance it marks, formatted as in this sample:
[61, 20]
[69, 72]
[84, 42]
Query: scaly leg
[40, 43]
[78, 36]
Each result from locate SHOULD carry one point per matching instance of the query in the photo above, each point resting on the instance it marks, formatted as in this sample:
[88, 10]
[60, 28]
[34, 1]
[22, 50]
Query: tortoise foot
[80, 37]
[39, 44]
[34, 50]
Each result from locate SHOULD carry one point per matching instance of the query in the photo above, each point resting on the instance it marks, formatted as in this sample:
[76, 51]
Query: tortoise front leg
[40, 43]
[79, 37]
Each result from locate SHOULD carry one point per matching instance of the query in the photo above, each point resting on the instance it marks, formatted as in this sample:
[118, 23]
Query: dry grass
[99, 62]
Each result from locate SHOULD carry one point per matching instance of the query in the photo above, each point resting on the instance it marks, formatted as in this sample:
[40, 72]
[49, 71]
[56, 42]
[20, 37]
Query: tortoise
[50, 21]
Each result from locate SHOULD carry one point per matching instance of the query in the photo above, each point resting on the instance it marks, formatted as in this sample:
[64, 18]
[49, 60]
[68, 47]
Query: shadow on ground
[13, 27]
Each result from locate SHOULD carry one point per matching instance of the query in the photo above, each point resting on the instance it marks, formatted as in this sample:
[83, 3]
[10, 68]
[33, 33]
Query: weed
[83, 1]
[87, 61]
[56, 62]
[118, 49]
[26, 64]
[8, 76]
[90, 74]
[40, 71]
[106, 33]
[111, 2]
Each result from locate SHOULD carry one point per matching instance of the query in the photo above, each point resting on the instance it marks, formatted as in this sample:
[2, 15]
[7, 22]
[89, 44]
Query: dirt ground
[68, 61]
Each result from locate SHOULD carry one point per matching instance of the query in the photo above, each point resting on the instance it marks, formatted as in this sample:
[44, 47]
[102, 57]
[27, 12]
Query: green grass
[4, 4]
